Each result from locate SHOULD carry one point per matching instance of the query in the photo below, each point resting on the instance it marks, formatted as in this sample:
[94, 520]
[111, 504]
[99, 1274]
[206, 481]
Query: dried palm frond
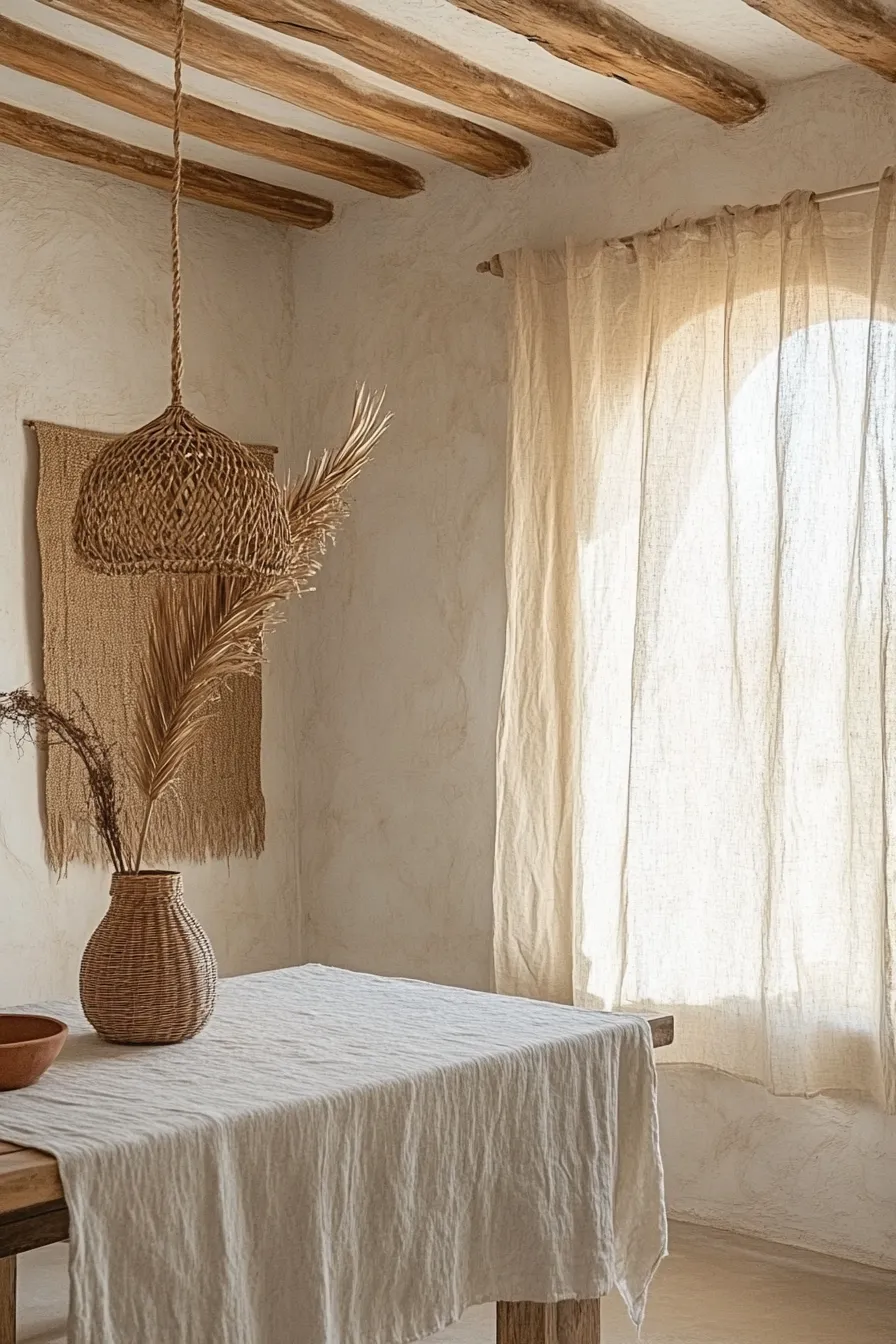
[32, 718]
[316, 504]
[206, 632]
[200, 635]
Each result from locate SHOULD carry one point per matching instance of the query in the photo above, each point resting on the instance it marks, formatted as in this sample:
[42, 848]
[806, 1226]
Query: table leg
[579, 1322]
[8, 1300]
[549, 1322]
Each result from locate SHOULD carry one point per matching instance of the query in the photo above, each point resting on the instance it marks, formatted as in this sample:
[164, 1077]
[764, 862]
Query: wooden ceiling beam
[412, 60]
[72, 144]
[225, 51]
[858, 30]
[35, 53]
[598, 37]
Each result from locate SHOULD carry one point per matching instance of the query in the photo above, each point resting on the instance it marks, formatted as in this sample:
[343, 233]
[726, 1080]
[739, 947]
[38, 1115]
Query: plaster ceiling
[727, 29]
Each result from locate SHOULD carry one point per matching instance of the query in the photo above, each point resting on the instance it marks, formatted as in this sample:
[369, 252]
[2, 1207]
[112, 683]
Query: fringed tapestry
[94, 634]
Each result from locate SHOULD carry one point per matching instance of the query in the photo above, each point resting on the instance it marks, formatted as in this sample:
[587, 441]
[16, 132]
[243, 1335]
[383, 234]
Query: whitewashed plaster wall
[84, 339]
[402, 648]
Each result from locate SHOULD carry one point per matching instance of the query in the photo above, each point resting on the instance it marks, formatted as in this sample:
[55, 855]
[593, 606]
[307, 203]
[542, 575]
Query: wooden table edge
[28, 1179]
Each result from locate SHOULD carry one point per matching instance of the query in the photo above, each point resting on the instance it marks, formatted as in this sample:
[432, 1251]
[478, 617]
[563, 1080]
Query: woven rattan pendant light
[175, 496]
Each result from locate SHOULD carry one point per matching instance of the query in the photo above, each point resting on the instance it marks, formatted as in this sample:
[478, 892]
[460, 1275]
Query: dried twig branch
[32, 718]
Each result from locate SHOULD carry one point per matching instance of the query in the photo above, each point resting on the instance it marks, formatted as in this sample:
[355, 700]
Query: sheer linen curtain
[695, 748]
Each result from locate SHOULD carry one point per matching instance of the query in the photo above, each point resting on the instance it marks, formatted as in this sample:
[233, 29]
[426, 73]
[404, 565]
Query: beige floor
[713, 1289]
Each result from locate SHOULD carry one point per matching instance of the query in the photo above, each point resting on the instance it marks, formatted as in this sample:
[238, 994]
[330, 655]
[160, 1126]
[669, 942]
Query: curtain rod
[494, 267]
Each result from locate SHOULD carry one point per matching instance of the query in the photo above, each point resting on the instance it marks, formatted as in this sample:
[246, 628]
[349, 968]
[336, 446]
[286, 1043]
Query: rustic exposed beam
[36, 53]
[412, 60]
[598, 37]
[223, 50]
[859, 30]
[72, 144]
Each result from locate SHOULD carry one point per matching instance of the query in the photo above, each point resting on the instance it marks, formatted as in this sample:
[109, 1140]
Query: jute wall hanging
[94, 636]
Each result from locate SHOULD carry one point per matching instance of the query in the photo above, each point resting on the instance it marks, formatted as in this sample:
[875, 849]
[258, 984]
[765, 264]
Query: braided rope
[177, 352]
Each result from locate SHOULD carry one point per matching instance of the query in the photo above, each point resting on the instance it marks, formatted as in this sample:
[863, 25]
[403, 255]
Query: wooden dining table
[33, 1213]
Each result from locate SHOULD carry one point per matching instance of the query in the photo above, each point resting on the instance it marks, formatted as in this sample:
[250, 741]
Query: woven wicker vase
[148, 974]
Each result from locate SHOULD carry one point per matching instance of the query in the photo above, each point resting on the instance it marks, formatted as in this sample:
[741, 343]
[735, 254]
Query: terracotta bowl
[28, 1046]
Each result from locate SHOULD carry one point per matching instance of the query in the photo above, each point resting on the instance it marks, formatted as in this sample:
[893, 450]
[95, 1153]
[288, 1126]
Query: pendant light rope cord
[177, 496]
[177, 353]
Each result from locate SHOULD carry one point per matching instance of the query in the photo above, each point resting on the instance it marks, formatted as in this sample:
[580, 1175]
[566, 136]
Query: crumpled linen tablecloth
[347, 1159]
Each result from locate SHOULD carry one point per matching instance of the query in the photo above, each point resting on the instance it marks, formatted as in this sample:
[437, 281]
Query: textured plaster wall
[401, 651]
[84, 336]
